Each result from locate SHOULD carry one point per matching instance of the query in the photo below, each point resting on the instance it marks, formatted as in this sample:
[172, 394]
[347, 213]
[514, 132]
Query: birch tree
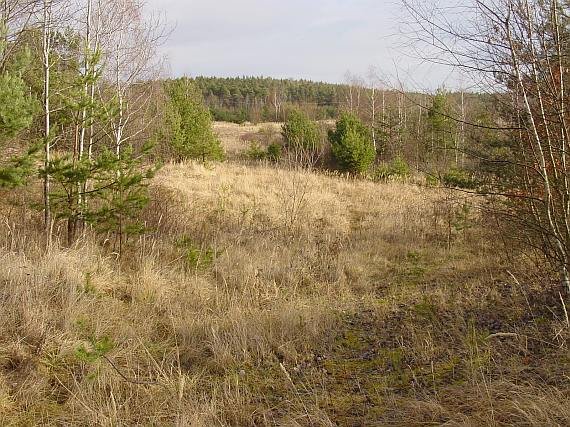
[517, 49]
[47, 25]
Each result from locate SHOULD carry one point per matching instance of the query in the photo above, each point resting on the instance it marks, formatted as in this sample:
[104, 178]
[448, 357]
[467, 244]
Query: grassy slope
[282, 297]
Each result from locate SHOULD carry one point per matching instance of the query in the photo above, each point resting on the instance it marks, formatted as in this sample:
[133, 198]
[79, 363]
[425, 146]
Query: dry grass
[235, 137]
[278, 297]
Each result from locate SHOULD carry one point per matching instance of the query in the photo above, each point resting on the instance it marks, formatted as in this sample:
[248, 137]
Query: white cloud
[317, 39]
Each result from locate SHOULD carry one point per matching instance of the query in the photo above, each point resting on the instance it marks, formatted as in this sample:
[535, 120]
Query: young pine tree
[189, 123]
[120, 193]
[17, 110]
[302, 137]
[300, 132]
[72, 170]
[352, 145]
[441, 127]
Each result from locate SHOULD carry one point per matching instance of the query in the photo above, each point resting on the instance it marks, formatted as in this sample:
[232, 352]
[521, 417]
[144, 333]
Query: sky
[311, 39]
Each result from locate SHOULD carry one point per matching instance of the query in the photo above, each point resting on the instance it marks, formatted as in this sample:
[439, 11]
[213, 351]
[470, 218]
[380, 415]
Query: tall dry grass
[277, 297]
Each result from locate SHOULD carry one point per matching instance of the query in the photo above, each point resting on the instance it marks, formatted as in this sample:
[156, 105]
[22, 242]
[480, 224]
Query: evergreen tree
[351, 144]
[71, 171]
[17, 107]
[100, 186]
[17, 110]
[300, 132]
[189, 123]
[121, 189]
[440, 124]
[302, 138]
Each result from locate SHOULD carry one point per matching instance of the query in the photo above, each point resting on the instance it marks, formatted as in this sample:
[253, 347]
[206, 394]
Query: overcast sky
[311, 39]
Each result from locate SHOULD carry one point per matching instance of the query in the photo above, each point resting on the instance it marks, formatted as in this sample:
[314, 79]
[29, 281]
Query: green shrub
[432, 180]
[227, 115]
[300, 132]
[398, 168]
[255, 151]
[458, 178]
[95, 350]
[195, 257]
[352, 145]
[274, 152]
[463, 219]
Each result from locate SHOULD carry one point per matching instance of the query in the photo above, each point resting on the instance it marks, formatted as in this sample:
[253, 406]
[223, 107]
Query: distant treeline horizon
[264, 99]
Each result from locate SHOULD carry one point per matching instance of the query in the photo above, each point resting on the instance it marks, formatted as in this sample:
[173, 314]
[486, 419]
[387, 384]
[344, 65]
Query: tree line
[427, 131]
[264, 99]
[394, 134]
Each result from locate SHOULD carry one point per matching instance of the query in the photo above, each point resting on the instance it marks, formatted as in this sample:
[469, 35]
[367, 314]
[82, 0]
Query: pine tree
[120, 193]
[302, 138]
[190, 123]
[440, 124]
[300, 132]
[352, 145]
[71, 171]
[17, 110]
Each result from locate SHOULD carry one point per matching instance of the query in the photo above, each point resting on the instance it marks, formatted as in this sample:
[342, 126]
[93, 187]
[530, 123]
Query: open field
[269, 296]
[235, 137]
[390, 248]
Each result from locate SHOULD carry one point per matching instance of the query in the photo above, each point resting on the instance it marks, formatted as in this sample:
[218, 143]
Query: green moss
[395, 358]
[426, 310]
[346, 403]
[347, 368]
[352, 341]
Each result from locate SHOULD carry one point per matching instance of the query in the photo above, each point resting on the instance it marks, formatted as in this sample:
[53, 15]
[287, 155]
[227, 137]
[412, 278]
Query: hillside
[272, 296]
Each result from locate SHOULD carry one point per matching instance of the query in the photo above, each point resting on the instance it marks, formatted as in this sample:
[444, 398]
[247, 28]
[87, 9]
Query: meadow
[276, 295]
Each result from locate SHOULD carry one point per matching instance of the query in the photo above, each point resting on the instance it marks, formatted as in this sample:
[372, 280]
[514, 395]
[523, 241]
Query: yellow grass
[235, 137]
[267, 296]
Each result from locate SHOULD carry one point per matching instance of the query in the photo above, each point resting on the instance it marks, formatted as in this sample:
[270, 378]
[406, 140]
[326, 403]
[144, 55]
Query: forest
[259, 99]
[258, 251]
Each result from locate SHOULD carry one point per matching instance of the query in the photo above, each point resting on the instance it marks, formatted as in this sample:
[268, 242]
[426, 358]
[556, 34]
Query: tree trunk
[46, 48]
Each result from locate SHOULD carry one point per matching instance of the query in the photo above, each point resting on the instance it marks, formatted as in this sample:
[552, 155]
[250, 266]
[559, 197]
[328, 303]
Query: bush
[226, 115]
[398, 168]
[300, 132]
[352, 145]
[274, 152]
[458, 178]
[195, 256]
[255, 151]
[432, 181]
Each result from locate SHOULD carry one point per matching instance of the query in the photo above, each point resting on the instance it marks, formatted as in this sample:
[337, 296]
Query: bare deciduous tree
[518, 50]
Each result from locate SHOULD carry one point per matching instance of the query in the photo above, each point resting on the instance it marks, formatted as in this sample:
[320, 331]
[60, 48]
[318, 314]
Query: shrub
[274, 152]
[255, 151]
[226, 115]
[459, 178]
[195, 256]
[398, 168]
[352, 145]
[300, 132]
[432, 181]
